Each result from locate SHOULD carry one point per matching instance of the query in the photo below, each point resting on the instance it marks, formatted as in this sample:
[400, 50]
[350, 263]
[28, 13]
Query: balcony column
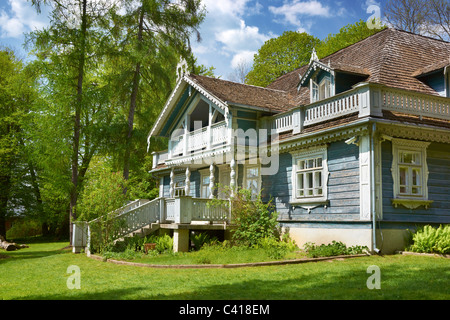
[232, 177]
[172, 184]
[187, 183]
[211, 181]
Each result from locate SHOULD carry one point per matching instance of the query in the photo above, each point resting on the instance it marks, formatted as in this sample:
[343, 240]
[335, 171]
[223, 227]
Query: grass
[205, 256]
[40, 272]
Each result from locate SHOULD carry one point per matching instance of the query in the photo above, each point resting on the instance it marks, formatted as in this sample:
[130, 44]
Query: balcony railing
[364, 100]
[199, 140]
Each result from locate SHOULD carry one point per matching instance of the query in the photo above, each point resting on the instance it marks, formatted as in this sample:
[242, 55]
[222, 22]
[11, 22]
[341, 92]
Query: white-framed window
[179, 184]
[321, 90]
[324, 88]
[310, 176]
[205, 190]
[314, 91]
[410, 173]
[252, 179]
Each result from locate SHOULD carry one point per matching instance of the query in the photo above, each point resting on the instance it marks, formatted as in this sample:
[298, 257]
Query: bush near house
[335, 248]
[431, 240]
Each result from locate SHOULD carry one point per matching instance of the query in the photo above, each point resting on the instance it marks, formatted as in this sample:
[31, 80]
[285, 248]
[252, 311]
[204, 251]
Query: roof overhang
[183, 83]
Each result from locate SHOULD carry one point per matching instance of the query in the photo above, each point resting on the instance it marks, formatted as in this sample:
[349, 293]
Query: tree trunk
[10, 246]
[133, 99]
[77, 120]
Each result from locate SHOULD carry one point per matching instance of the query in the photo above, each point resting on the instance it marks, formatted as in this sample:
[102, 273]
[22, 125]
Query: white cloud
[242, 43]
[21, 17]
[243, 57]
[242, 38]
[295, 9]
[226, 38]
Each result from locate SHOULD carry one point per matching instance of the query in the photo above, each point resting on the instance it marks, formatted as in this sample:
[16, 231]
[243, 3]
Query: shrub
[24, 228]
[432, 240]
[276, 249]
[254, 219]
[335, 248]
[200, 239]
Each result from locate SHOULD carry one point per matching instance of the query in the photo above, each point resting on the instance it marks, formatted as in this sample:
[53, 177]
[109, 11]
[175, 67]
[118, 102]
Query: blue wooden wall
[438, 161]
[343, 187]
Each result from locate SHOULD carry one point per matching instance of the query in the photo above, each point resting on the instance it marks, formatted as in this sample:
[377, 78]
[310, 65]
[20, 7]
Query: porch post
[187, 184]
[172, 184]
[211, 181]
[232, 177]
[181, 240]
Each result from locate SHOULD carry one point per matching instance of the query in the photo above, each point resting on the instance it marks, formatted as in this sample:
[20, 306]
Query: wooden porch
[143, 217]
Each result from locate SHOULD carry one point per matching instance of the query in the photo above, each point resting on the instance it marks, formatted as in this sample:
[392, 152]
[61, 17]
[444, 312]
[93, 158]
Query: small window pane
[416, 177]
[403, 176]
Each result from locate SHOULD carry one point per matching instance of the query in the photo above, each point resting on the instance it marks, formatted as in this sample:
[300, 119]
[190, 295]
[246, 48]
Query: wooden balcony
[200, 140]
[364, 100]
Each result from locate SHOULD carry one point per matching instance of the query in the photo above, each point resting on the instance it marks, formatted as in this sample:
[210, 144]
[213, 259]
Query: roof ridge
[237, 83]
[420, 35]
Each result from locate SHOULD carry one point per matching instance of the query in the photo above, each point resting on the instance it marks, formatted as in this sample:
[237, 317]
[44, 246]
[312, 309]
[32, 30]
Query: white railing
[219, 133]
[169, 210]
[415, 103]
[177, 146]
[282, 123]
[334, 107]
[203, 212]
[198, 140]
[365, 99]
[130, 220]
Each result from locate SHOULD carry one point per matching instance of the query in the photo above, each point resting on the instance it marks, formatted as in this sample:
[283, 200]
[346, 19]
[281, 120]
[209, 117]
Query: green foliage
[102, 194]
[432, 240]
[335, 248]
[24, 228]
[281, 55]
[254, 219]
[200, 239]
[276, 249]
[292, 50]
[347, 36]
[132, 247]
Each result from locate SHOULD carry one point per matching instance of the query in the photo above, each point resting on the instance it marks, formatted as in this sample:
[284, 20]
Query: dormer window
[321, 90]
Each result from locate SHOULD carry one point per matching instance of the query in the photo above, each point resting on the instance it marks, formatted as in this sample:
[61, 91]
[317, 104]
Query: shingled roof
[241, 94]
[391, 57]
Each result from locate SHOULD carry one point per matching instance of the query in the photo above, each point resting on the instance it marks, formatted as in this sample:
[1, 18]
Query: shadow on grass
[416, 283]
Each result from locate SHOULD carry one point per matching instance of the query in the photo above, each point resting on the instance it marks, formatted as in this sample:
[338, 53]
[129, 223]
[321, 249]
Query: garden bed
[409, 253]
[231, 265]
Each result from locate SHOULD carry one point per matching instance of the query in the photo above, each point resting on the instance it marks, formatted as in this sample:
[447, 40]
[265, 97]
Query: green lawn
[40, 272]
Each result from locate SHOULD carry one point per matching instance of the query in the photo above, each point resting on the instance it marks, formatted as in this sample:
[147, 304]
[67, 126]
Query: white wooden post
[172, 184]
[187, 184]
[232, 176]
[211, 181]
[365, 178]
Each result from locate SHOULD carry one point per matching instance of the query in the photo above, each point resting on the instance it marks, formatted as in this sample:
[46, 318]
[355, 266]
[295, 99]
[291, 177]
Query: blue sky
[233, 30]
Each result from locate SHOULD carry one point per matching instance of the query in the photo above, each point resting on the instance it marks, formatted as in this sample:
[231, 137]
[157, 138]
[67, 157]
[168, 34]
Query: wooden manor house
[353, 147]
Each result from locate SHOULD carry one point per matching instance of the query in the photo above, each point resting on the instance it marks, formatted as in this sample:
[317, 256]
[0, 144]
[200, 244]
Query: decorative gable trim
[312, 69]
[173, 98]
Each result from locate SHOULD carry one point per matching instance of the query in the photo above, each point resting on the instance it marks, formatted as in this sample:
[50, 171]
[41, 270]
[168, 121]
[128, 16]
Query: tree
[240, 72]
[425, 17]
[292, 50]
[347, 35]
[408, 15]
[438, 19]
[68, 48]
[16, 94]
[155, 35]
[281, 55]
